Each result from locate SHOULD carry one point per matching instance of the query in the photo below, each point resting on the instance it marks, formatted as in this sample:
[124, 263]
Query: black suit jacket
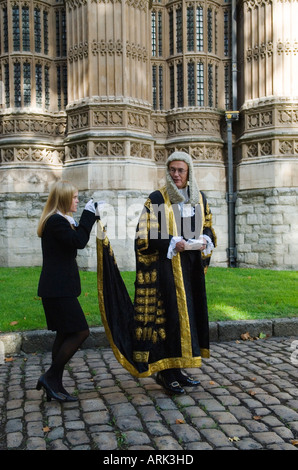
[60, 275]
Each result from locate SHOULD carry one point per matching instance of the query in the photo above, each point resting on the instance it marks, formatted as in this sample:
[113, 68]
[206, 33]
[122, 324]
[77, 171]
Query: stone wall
[20, 212]
[267, 228]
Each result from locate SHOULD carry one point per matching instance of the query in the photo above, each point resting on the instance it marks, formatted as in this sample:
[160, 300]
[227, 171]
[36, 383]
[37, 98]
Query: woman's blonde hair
[59, 199]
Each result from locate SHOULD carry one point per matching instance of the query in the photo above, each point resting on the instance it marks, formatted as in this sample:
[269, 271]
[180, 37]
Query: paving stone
[247, 400]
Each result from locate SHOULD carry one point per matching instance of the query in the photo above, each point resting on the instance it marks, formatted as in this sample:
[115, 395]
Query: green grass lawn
[233, 294]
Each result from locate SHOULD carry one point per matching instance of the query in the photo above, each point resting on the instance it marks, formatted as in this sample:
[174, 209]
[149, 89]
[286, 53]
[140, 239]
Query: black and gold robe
[167, 325]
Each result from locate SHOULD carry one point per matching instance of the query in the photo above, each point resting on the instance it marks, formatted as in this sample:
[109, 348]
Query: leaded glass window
[179, 35]
[60, 33]
[45, 33]
[160, 33]
[190, 29]
[180, 100]
[38, 85]
[199, 29]
[154, 87]
[27, 83]
[200, 84]
[228, 92]
[25, 28]
[210, 85]
[62, 86]
[157, 86]
[209, 30]
[47, 86]
[160, 82]
[172, 86]
[171, 32]
[64, 72]
[37, 30]
[226, 33]
[58, 53]
[153, 33]
[59, 91]
[17, 84]
[191, 83]
[7, 89]
[16, 28]
[63, 35]
[5, 28]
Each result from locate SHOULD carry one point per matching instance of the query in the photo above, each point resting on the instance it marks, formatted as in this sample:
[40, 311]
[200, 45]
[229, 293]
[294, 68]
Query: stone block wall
[267, 228]
[20, 212]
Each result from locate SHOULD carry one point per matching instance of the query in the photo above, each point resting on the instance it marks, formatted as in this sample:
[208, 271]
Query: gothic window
[6, 82]
[160, 81]
[228, 93]
[25, 29]
[60, 33]
[59, 87]
[153, 33]
[209, 30]
[215, 32]
[171, 32]
[157, 86]
[180, 100]
[200, 84]
[190, 29]
[159, 26]
[191, 83]
[58, 48]
[27, 83]
[179, 34]
[154, 87]
[45, 33]
[38, 85]
[64, 77]
[63, 33]
[210, 85]
[47, 86]
[17, 84]
[199, 28]
[226, 33]
[5, 28]
[37, 30]
[62, 86]
[172, 87]
[16, 28]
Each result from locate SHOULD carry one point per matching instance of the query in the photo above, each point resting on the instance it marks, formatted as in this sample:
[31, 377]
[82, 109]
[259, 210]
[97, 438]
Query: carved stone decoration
[107, 47]
[138, 149]
[38, 125]
[31, 154]
[107, 118]
[109, 148]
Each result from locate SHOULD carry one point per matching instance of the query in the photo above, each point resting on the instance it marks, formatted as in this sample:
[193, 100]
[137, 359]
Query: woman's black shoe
[173, 387]
[69, 397]
[50, 393]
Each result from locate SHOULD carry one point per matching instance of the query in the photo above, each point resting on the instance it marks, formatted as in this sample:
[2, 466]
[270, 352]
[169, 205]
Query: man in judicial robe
[166, 329]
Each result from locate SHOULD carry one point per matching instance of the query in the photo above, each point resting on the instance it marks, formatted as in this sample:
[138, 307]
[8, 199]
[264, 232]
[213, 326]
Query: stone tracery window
[16, 27]
[25, 28]
[27, 83]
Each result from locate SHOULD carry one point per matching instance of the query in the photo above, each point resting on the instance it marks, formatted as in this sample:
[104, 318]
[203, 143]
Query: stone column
[268, 138]
[109, 146]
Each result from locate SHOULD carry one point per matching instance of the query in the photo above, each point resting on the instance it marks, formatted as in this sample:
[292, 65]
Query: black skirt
[64, 314]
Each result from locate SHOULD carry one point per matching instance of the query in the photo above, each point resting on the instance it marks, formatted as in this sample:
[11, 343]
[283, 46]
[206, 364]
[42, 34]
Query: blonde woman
[59, 284]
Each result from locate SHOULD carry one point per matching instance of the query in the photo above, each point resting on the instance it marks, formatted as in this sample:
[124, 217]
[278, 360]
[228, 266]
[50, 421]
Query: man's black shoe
[188, 381]
[173, 387]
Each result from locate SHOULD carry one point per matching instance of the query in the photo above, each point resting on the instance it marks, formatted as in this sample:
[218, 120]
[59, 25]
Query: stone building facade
[100, 92]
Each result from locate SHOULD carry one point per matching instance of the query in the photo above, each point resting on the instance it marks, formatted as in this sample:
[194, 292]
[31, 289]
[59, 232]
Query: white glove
[99, 207]
[90, 206]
